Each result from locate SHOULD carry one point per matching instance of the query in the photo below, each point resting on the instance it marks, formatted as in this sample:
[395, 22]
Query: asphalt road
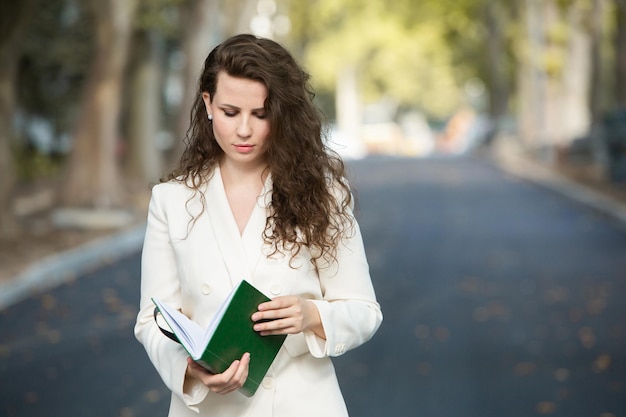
[500, 298]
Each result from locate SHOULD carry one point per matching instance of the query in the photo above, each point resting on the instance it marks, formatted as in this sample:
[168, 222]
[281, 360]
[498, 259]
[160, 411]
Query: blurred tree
[155, 26]
[201, 30]
[367, 51]
[576, 72]
[144, 104]
[620, 52]
[419, 53]
[480, 35]
[237, 16]
[560, 61]
[498, 80]
[92, 176]
[52, 74]
[599, 28]
[13, 19]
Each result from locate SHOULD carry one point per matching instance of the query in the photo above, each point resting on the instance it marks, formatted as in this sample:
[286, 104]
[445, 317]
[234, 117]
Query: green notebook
[228, 336]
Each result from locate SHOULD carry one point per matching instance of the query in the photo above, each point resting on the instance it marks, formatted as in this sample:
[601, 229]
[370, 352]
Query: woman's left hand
[289, 314]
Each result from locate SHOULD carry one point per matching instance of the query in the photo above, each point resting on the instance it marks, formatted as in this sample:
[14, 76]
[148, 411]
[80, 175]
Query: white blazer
[194, 265]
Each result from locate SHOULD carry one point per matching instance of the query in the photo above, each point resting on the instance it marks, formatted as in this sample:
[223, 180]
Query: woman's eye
[261, 116]
[230, 113]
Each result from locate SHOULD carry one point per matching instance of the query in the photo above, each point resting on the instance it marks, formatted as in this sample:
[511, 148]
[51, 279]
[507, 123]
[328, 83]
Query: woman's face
[239, 119]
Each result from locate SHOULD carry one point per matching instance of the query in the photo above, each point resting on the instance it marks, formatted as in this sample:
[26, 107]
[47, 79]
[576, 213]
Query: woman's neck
[242, 187]
[243, 175]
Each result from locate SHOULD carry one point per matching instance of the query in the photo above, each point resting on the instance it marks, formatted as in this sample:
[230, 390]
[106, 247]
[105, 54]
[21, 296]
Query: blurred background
[95, 98]
[95, 95]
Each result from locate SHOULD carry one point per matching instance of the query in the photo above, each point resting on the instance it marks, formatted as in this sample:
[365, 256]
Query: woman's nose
[244, 130]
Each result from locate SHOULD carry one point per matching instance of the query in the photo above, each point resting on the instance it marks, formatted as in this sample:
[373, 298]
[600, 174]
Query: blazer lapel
[225, 231]
[240, 253]
[252, 238]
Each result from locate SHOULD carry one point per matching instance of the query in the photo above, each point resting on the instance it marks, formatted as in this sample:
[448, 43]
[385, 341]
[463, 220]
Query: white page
[190, 334]
[217, 318]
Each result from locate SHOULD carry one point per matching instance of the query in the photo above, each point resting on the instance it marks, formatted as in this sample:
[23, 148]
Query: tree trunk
[243, 16]
[13, 17]
[620, 53]
[92, 177]
[532, 79]
[144, 162]
[201, 31]
[596, 83]
[348, 103]
[573, 103]
[597, 86]
[498, 79]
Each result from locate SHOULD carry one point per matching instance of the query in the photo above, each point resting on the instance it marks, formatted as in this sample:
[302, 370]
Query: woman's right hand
[228, 381]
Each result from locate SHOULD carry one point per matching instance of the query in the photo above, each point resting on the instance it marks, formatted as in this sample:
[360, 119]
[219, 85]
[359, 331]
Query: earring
[210, 116]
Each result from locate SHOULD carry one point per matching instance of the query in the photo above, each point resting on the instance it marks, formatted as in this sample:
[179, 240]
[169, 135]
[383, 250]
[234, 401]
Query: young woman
[257, 196]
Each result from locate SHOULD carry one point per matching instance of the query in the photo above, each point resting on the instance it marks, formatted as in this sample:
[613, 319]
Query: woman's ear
[206, 97]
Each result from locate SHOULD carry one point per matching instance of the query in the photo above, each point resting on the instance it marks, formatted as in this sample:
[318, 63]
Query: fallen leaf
[442, 334]
[48, 302]
[152, 396]
[562, 374]
[126, 412]
[596, 306]
[422, 331]
[546, 407]
[602, 363]
[524, 368]
[424, 368]
[587, 337]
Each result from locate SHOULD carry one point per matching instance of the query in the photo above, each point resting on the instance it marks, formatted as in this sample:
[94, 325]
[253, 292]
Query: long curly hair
[310, 200]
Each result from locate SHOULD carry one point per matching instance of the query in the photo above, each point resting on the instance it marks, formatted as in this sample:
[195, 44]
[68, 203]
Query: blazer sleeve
[349, 311]
[159, 278]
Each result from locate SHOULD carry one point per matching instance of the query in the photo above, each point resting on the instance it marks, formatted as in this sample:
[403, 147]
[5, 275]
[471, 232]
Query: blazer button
[268, 383]
[275, 289]
[206, 289]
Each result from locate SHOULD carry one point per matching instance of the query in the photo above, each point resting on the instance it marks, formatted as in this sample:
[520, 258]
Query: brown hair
[310, 195]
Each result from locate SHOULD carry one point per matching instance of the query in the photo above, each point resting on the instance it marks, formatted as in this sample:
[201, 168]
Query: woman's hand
[228, 381]
[288, 315]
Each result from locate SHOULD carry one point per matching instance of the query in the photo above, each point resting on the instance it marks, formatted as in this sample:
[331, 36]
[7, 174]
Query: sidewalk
[66, 265]
[606, 199]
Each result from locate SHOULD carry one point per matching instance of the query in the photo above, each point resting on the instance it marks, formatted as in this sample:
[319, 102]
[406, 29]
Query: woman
[258, 197]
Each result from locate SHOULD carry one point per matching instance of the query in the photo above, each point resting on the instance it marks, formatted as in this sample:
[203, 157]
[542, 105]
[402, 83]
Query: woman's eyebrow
[233, 107]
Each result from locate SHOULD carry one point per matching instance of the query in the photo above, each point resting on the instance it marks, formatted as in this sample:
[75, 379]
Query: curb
[59, 268]
[524, 168]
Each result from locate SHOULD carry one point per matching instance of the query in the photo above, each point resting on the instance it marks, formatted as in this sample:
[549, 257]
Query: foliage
[408, 63]
[32, 164]
[417, 53]
[51, 74]
[160, 15]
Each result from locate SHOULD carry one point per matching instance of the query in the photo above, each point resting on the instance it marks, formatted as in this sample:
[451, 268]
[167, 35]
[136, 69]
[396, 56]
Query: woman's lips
[244, 148]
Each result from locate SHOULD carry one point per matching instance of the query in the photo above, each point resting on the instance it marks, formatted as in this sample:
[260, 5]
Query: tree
[598, 28]
[155, 27]
[408, 62]
[620, 53]
[13, 18]
[92, 176]
[498, 80]
[143, 157]
[199, 19]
